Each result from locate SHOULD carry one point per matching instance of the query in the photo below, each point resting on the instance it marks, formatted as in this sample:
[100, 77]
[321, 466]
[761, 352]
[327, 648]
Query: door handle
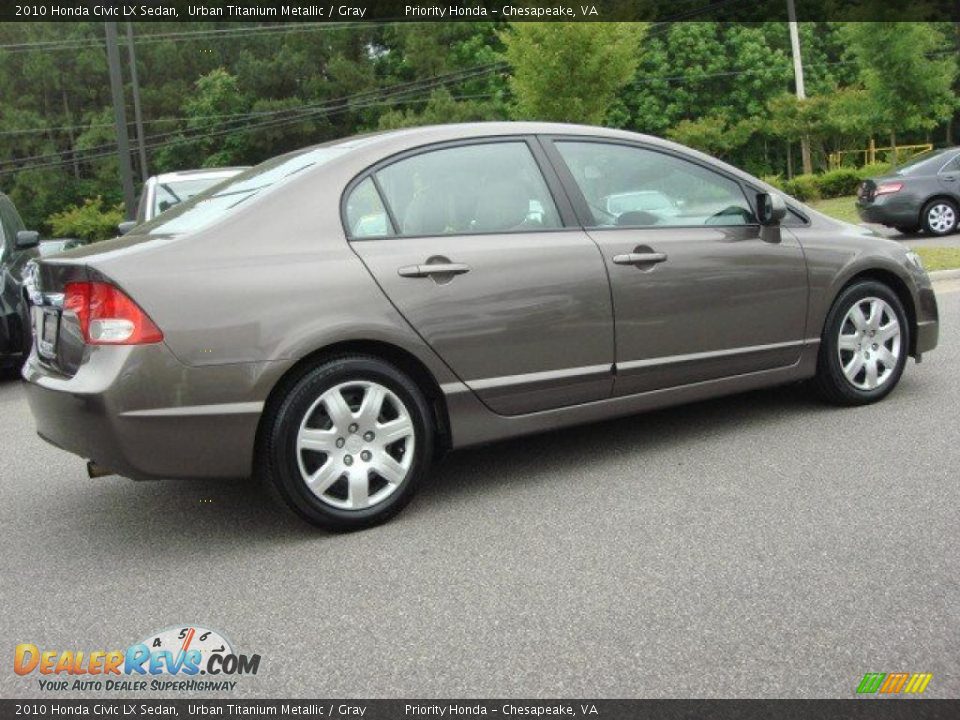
[419, 271]
[635, 258]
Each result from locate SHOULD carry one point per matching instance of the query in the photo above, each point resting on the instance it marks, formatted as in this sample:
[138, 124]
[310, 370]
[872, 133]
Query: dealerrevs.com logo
[171, 660]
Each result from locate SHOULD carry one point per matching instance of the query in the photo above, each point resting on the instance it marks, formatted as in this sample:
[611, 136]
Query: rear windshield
[209, 207]
[926, 163]
[178, 191]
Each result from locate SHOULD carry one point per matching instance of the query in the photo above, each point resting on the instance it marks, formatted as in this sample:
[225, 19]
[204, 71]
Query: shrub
[837, 183]
[774, 180]
[89, 222]
[874, 170]
[803, 187]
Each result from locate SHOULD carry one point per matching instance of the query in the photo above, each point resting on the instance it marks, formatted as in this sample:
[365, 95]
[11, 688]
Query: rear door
[479, 250]
[699, 292]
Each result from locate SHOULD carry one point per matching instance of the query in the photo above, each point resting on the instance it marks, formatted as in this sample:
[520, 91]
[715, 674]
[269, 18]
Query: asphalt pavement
[915, 239]
[763, 545]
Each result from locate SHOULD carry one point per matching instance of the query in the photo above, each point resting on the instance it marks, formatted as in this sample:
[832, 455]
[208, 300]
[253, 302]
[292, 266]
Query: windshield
[172, 193]
[205, 208]
[926, 163]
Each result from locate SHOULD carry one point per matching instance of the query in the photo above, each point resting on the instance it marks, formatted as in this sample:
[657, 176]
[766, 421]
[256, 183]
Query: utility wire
[274, 123]
[296, 113]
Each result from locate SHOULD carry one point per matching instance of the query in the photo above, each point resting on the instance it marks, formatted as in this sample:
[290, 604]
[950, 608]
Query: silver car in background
[162, 192]
[332, 319]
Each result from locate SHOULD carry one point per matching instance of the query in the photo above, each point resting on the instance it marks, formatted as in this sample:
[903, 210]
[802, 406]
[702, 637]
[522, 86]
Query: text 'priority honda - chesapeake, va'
[333, 318]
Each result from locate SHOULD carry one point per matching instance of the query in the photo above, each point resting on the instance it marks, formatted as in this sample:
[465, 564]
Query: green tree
[907, 76]
[570, 71]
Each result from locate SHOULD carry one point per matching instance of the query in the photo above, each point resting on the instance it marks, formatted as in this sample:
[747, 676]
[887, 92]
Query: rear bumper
[139, 412]
[895, 212]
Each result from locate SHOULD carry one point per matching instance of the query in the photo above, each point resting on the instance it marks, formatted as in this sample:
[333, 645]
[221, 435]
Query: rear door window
[469, 189]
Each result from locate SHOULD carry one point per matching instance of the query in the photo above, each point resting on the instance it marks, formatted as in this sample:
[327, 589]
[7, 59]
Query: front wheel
[939, 217]
[348, 444]
[864, 345]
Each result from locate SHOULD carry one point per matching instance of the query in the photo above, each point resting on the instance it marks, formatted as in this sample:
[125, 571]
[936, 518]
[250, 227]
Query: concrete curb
[941, 275]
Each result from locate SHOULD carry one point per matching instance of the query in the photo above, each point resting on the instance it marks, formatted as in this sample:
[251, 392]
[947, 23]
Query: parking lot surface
[760, 545]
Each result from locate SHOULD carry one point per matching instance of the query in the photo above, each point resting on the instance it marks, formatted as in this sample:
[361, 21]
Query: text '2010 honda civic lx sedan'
[332, 319]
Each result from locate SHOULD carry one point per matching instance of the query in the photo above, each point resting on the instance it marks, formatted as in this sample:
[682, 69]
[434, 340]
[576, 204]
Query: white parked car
[161, 192]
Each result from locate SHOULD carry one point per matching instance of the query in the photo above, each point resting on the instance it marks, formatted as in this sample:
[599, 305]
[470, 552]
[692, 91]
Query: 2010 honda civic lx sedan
[333, 318]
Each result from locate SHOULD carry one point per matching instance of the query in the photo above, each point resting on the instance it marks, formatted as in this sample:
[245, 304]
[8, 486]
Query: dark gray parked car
[922, 194]
[333, 318]
[17, 247]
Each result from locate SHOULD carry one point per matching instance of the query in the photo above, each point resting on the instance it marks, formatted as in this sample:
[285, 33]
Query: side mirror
[771, 208]
[126, 226]
[27, 239]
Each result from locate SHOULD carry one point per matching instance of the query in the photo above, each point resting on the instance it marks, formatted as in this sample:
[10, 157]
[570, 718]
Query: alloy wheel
[869, 344]
[941, 218]
[355, 445]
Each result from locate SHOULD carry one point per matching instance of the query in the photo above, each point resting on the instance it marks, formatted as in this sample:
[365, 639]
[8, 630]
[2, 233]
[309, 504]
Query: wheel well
[396, 356]
[900, 289]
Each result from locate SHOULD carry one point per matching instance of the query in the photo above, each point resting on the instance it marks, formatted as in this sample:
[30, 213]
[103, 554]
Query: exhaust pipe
[97, 471]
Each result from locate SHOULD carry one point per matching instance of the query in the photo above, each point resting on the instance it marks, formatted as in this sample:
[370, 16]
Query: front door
[469, 243]
[698, 292]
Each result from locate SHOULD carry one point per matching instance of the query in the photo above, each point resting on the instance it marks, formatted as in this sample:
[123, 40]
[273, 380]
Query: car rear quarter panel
[272, 284]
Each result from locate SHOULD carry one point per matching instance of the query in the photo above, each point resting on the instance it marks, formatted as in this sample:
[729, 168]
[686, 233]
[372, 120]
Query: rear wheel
[348, 444]
[939, 217]
[864, 345]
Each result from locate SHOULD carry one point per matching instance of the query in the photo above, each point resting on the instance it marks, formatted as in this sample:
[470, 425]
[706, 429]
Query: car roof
[485, 129]
[200, 173]
[376, 146]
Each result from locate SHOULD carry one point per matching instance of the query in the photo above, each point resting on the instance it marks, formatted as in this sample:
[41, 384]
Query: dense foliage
[221, 94]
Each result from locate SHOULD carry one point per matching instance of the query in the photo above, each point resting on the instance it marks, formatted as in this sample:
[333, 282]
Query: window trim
[562, 203]
[581, 206]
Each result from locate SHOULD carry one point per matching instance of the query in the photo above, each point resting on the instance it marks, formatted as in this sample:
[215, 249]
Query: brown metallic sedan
[332, 319]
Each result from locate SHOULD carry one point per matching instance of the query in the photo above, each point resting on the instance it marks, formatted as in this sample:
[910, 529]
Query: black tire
[939, 230]
[830, 381]
[278, 458]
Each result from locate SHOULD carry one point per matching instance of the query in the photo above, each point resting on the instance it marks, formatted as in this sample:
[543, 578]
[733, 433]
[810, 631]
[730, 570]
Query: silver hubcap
[355, 445]
[942, 218]
[869, 346]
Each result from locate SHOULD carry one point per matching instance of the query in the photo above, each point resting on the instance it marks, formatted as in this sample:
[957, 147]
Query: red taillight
[887, 188]
[107, 316]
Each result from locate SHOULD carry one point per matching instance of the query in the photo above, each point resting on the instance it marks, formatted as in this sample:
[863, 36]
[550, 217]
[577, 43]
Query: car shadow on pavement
[543, 456]
[230, 515]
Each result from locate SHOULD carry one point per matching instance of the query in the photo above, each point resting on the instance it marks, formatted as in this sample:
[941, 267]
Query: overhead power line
[330, 109]
[274, 123]
[349, 101]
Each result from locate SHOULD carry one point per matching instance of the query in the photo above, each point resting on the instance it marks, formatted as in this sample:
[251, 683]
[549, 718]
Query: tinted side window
[366, 215]
[632, 187]
[952, 166]
[485, 188]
